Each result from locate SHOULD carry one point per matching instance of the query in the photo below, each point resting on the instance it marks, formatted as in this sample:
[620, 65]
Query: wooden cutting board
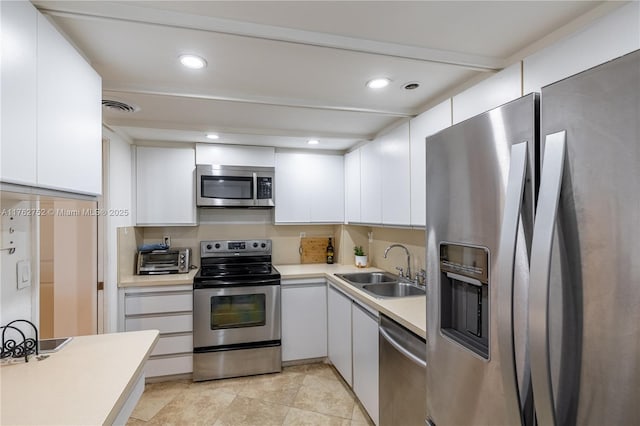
[314, 249]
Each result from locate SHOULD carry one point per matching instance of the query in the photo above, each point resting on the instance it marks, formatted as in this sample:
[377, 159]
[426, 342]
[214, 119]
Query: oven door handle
[219, 283]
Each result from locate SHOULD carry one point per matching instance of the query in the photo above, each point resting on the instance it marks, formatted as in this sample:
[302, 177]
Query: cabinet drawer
[182, 364]
[173, 344]
[158, 302]
[166, 324]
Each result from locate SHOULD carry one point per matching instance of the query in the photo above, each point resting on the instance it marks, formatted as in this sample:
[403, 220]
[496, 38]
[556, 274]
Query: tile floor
[311, 394]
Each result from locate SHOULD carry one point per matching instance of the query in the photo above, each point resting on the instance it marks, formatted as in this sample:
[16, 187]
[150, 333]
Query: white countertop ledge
[410, 312]
[86, 382]
[154, 280]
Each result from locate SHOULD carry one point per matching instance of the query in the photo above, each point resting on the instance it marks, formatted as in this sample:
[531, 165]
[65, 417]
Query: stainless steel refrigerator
[533, 257]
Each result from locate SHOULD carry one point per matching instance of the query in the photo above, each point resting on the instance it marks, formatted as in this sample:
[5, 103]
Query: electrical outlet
[167, 240]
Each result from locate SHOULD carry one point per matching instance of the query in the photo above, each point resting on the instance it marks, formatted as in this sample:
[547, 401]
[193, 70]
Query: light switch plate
[24, 273]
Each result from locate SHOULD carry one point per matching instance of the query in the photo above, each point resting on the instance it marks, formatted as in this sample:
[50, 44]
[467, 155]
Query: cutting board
[313, 249]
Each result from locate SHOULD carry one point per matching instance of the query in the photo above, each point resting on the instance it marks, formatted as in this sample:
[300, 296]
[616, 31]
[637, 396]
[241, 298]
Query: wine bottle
[330, 252]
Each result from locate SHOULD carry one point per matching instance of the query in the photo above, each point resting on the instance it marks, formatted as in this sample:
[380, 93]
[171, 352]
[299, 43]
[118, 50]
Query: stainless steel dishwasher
[403, 389]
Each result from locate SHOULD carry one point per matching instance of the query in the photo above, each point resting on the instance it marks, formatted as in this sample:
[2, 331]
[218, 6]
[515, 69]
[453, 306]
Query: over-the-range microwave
[234, 186]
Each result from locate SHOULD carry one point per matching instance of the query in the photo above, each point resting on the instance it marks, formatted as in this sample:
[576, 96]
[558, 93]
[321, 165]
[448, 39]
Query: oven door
[236, 314]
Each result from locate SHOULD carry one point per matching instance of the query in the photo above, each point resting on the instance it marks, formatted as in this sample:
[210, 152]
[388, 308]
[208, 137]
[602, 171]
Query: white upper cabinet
[352, 186]
[235, 155]
[496, 90]
[69, 116]
[426, 124]
[309, 187]
[371, 182]
[165, 186]
[385, 179]
[611, 36]
[396, 176]
[18, 92]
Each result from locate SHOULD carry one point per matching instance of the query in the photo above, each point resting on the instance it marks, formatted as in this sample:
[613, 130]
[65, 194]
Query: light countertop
[86, 382]
[162, 279]
[408, 311]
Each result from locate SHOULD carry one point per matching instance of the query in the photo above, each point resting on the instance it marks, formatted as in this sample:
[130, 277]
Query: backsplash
[286, 241]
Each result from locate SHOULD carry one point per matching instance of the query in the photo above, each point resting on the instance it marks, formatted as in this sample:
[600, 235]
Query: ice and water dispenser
[464, 296]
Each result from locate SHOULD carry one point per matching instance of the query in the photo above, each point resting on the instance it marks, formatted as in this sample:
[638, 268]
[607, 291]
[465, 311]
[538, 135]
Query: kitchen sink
[394, 289]
[368, 277]
[382, 284]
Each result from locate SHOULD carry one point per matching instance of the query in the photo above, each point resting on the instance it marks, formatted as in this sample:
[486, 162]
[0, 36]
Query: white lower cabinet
[353, 347]
[168, 309]
[304, 319]
[365, 358]
[339, 327]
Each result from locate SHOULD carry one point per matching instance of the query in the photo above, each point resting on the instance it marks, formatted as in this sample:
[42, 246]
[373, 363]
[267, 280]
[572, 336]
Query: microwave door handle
[539, 275]
[255, 188]
[506, 262]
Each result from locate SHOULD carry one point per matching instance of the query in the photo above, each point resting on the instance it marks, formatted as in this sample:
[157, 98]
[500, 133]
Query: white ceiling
[281, 72]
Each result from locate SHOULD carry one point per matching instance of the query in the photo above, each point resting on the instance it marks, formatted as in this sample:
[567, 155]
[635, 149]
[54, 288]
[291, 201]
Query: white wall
[17, 303]
[118, 196]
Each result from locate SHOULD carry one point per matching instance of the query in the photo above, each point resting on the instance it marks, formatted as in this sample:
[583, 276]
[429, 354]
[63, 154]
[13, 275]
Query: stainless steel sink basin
[369, 277]
[382, 284]
[394, 289]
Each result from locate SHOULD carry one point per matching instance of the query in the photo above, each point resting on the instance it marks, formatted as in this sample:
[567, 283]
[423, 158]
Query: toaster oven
[169, 261]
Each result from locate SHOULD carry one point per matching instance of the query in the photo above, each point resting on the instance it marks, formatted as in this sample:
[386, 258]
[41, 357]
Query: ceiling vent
[118, 106]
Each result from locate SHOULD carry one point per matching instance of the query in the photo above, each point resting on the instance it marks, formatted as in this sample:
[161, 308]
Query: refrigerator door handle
[539, 283]
[508, 243]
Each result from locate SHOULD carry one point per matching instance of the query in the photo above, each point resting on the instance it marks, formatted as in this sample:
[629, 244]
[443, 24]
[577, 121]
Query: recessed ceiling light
[193, 61]
[212, 136]
[313, 141]
[378, 83]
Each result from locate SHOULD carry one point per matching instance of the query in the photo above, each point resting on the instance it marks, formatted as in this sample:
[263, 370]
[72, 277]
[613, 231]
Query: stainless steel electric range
[236, 310]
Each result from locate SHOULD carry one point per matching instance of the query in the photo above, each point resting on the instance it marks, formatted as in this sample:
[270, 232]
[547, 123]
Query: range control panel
[219, 248]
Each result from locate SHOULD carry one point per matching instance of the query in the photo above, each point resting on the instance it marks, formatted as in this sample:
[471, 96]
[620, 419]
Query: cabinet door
[339, 328]
[327, 190]
[371, 182]
[309, 188]
[235, 155]
[18, 92]
[165, 186]
[69, 116]
[612, 36]
[304, 320]
[352, 186]
[396, 176]
[426, 124]
[292, 187]
[365, 359]
[496, 90]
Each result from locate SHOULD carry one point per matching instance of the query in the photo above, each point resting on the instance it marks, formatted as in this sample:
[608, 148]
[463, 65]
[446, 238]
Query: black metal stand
[14, 349]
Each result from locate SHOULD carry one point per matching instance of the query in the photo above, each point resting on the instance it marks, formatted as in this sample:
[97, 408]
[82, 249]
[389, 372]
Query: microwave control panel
[265, 188]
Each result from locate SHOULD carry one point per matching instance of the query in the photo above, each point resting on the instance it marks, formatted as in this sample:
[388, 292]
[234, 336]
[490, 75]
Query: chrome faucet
[408, 259]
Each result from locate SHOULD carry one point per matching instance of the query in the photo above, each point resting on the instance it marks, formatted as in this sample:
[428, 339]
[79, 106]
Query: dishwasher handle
[404, 351]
